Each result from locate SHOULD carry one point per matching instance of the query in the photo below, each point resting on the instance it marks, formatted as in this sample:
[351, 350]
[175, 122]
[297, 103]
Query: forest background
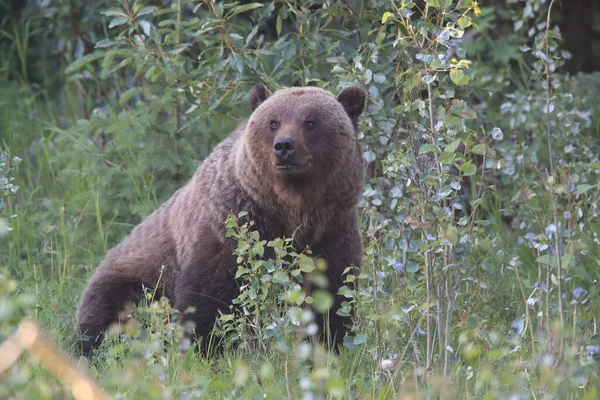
[480, 214]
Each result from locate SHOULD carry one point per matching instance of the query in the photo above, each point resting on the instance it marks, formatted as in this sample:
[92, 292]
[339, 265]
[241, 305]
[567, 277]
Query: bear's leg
[105, 296]
[207, 292]
[340, 250]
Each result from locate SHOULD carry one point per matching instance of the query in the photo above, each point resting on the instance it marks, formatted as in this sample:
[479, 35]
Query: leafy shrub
[274, 293]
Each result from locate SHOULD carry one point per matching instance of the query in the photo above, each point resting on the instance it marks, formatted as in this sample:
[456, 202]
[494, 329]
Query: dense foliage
[480, 215]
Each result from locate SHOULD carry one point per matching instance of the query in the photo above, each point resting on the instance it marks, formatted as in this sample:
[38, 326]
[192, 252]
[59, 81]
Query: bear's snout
[286, 156]
[284, 149]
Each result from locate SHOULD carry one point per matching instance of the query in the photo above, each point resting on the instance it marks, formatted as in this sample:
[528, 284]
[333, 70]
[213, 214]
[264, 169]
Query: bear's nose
[284, 148]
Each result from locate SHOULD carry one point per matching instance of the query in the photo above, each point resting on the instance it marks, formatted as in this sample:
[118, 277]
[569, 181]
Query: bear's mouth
[287, 168]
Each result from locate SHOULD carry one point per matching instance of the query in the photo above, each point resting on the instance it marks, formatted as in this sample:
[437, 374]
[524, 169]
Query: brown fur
[186, 234]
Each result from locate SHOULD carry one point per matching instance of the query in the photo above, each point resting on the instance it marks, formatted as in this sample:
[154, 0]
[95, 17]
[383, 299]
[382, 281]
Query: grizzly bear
[295, 166]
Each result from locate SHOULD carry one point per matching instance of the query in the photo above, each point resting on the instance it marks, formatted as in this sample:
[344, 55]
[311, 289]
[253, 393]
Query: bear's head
[302, 138]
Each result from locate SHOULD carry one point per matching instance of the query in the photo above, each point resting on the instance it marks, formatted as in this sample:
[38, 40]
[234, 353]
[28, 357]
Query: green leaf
[307, 264]
[117, 21]
[412, 267]
[243, 246]
[280, 277]
[429, 148]
[121, 64]
[349, 342]
[241, 271]
[82, 62]
[259, 249]
[582, 188]
[322, 300]
[386, 16]
[226, 317]
[444, 4]
[451, 148]
[244, 8]
[254, 235]
[464, 22]
[360, 339]
[547, 260]
[459, 77]
[478, 149]
[146, 10]
[468, 168]
[446, 157]
[414, 81]
[278, 24]
[236, 62]
[107, 63]
[470, 353]
[452, 234]
[295, 297]
[346, 292]
[566, 259]
[336, 387]
[582, 273]
[146, 26]
[319, 280]
[113, 13]
[452, 120]
[463, 4]
[104, 43]
[344, 310]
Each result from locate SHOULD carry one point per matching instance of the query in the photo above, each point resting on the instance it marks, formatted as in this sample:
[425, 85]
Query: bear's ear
[258, 94]
[353, 100]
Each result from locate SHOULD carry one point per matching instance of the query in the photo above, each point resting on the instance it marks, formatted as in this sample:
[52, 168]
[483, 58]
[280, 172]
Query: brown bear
[295, 167]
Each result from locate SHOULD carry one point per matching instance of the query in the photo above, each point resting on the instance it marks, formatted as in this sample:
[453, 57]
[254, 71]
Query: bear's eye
[309, 124]
[274, 124]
